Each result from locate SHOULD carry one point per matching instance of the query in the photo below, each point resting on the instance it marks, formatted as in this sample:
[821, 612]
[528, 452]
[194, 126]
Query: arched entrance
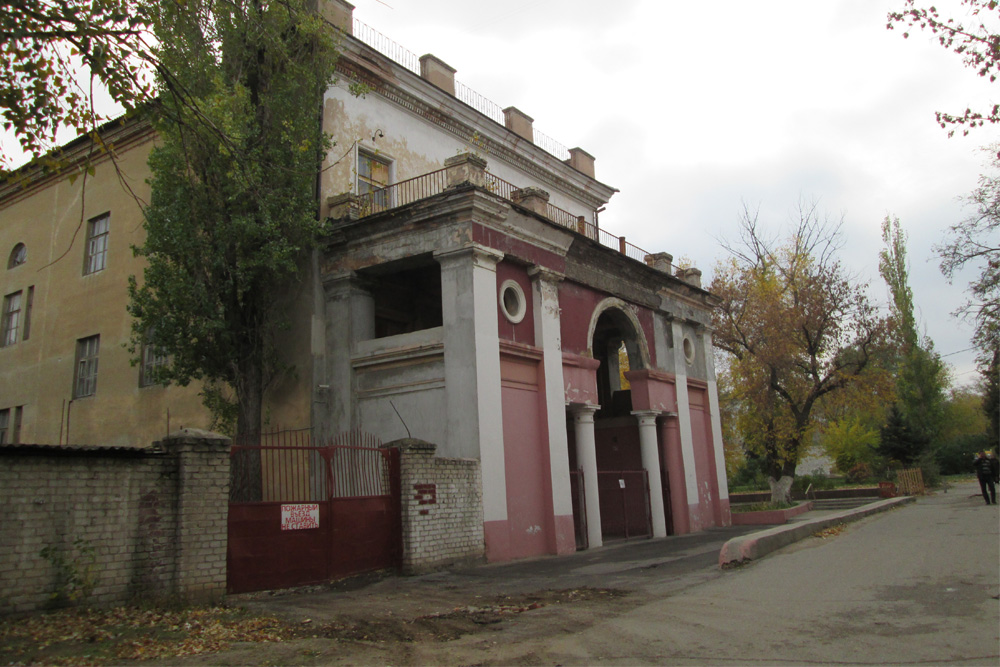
[618, 344]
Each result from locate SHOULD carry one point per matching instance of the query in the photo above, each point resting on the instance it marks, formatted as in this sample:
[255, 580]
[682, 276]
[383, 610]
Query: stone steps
[842, 503]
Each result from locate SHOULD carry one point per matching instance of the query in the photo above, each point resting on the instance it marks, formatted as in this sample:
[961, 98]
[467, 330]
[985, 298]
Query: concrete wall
[155, 522]
[442, 507]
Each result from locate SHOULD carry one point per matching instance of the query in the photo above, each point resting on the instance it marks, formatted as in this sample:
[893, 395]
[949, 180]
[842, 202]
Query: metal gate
[624, 498]
[302, 514]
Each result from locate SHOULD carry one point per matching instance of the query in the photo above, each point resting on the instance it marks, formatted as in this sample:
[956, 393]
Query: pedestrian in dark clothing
[985, 472]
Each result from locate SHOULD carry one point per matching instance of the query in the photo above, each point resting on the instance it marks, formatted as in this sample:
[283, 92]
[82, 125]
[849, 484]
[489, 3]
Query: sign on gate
[300, 517]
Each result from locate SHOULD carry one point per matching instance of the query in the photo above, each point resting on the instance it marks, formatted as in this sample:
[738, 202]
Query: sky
[693, 109]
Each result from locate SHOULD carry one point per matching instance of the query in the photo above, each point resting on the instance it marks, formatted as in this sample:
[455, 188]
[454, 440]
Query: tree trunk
[781, 489]
[246, 478]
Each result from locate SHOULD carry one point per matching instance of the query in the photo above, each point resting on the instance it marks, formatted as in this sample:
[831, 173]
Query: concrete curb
[759, 544]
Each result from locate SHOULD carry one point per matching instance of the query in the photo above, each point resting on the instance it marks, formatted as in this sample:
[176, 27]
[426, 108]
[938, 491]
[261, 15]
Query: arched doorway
[618, 344]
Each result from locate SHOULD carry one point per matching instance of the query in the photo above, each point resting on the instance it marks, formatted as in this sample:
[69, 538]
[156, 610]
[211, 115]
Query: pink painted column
[586, 458]
[674, 460]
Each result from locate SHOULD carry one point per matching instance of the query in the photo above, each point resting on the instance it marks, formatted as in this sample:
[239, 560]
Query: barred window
[87, 350]
[95, 258]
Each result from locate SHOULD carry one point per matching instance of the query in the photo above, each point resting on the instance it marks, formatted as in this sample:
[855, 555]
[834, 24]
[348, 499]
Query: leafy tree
[53, 55]
[797, 330]
[921, 375]
[977, 41]
[232, 207]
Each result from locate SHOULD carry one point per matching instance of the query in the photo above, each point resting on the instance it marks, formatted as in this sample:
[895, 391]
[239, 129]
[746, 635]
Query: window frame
[4, 426]
[88, 351]
[367, 183]
[95, 256]
[10, 318]
[151, 359]
[18, 256]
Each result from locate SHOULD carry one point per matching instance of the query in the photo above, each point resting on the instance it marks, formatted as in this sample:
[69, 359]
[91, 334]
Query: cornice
[410, 92]
[119, 135]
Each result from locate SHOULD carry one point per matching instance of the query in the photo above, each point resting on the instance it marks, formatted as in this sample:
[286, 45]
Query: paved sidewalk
[657, 566]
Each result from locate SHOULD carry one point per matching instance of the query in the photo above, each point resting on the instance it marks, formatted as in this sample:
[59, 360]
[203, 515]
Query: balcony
[467, 168]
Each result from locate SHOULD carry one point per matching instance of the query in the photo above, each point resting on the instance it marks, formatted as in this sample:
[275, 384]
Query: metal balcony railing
[435, 182]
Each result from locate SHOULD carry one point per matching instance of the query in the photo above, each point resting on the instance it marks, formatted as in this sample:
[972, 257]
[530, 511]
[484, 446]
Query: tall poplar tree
[921, 375]
[233, 205]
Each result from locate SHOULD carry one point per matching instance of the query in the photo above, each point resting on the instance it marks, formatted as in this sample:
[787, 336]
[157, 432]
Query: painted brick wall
[155, 521]
[442, 508]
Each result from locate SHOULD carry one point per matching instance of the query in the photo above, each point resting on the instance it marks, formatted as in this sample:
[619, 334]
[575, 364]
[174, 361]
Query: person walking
[987, 483]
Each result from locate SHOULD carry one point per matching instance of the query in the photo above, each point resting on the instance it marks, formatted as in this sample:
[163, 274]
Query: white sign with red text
[299, 517]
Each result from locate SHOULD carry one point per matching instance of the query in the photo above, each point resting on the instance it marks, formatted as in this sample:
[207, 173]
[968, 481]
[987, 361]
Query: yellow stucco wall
[50, 217]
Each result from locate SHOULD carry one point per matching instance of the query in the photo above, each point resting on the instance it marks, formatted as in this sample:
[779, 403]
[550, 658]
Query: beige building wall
[50, 215]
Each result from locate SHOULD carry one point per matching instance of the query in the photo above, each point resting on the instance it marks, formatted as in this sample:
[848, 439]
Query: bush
[955, 456]
[859, 473]
[750, 477]
[930, 469]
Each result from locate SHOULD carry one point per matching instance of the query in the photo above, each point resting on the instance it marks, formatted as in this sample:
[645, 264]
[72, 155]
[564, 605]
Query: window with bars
[10, 320]
[87, 350]
[373, 177]
[96, 256]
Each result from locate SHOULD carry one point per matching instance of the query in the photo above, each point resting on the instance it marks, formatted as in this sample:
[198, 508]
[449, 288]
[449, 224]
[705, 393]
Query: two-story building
[465, 294]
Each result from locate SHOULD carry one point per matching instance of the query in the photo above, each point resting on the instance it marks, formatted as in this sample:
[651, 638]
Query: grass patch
[760, 507]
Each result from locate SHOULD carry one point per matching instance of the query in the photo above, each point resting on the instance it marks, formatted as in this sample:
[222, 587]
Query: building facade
[464, 295]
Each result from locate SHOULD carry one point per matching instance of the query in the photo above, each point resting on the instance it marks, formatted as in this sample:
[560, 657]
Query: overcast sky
[692, 108]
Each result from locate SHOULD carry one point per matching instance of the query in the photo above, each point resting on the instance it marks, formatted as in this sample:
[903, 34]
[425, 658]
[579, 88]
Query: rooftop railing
[435, 182]
[403, 56]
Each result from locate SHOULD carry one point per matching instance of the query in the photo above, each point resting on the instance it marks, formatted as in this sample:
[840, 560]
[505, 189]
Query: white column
[713, 406]
[684, 416]
[549, 338]
[586, 456]
[651, 463]
[472, 368]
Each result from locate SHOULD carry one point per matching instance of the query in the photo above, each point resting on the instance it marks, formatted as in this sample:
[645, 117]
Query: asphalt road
[918, 584]
[915, 585]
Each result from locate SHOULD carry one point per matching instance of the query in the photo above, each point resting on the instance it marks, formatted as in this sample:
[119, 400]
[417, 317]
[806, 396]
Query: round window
[688, 349]
[512, 301]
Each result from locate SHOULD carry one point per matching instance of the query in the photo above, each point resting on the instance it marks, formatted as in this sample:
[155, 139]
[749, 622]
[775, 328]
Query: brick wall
[442, 508]
[143, 524]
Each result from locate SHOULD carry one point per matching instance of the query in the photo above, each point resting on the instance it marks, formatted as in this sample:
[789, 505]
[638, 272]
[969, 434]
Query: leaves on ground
[95, 637]
[832, 531]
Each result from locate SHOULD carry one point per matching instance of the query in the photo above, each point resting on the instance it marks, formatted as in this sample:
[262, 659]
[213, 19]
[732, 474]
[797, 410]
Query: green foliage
[955, 456]
[898, 441]
[54, 53]
[849, 442]
[233, 208]
[743, 508]
[750, 476]
[921, 375]
[76, 571]
[819, 482]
